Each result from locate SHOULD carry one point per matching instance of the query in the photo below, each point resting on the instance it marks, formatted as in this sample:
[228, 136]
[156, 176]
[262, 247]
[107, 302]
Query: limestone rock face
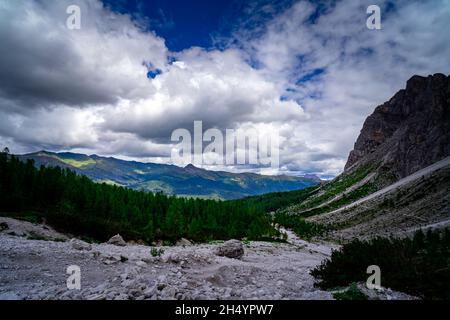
[410, 131]
[231, 249]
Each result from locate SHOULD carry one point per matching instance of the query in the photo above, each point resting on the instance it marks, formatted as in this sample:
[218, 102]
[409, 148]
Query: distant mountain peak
[188, 181]
[191, 166]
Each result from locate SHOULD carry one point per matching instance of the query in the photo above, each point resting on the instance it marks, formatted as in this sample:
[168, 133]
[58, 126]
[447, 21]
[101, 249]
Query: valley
[170, 179]
[301, 239]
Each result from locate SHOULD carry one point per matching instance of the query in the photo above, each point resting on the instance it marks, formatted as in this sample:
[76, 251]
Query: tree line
[271, 202]
[418, 265]
[76, 204]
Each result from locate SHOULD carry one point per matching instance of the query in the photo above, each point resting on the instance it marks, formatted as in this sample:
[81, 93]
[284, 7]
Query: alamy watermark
[73, 282]
[237, 146]
[374, 280]
[373, 22]
[73, 21]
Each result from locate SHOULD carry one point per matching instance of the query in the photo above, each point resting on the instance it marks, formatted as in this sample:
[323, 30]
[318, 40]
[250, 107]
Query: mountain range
[171, 179]
[397, 177]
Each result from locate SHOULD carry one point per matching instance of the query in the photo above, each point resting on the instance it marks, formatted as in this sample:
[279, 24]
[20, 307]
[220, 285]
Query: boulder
[3, 226]
[80, 245]
[231, 249]
[137, 242]
[111, 259]
[117, 240]
[183, 242]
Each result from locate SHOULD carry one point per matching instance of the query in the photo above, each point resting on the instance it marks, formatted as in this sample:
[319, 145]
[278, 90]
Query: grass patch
[78, 163]
[156, 252]
[216, 242]
[278, 200]
[35, 236]
[350, 293]
[357, 194]
[335, 187]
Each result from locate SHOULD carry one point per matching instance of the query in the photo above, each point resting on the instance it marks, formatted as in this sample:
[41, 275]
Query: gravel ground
[36, 269]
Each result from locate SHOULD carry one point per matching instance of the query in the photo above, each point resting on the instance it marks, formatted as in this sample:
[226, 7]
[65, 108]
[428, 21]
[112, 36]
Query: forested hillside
[271, 202]
[170, 179]
[75, 204]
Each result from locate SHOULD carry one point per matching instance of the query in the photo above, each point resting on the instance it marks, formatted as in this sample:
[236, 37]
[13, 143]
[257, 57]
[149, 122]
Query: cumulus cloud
[216, 87]
[311, 72]
[45, 64]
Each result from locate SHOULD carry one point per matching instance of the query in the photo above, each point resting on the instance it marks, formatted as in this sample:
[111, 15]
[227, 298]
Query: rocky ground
[419, 201]
[36, 269]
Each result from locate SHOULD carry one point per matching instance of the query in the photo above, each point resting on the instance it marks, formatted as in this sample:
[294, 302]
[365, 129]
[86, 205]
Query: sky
[309, 71]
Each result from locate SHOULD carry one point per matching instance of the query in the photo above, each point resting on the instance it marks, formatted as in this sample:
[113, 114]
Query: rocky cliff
[410, 131]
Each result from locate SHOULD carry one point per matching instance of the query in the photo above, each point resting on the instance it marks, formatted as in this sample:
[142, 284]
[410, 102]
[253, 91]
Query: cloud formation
[313, 72]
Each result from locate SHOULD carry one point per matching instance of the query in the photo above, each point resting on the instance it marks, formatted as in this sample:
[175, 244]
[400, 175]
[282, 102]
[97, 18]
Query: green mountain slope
[187, 181]
[74, 204]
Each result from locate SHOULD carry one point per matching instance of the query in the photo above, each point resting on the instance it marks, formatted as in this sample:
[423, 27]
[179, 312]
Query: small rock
[110, 295]
[277, 296]
[128, 284]
[160, 286]
[111, 259]
[141, 263]
[231, 249]
[96, 297]
[3, 226]
[180, 296]
[135, 292]
[150, 292]
[183, 242]
[80, 245]
[117, 240]
[169, 292]
[280, 283]
[121, 296]
[162, 278]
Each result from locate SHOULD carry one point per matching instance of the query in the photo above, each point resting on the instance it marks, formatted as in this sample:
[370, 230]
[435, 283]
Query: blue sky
[308, 71]
[183, 24]
[202, 23]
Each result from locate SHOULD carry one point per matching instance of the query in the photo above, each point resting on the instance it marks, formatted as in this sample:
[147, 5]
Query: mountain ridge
[408, 132]
[184, 181]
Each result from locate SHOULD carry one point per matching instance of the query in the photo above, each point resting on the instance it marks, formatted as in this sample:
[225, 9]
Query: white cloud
[44, 63]
[362, 68]
[86, 90]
